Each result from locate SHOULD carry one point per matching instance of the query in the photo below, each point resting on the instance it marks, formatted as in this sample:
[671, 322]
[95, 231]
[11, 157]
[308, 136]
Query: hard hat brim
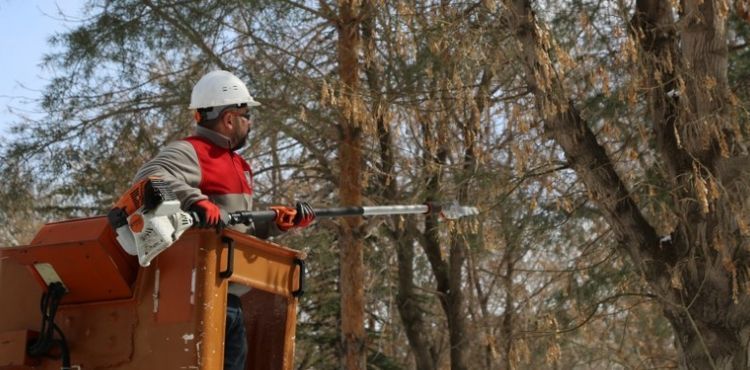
[251, 103]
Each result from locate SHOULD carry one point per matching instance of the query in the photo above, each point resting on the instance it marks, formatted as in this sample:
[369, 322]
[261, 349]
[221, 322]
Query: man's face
[241, 127]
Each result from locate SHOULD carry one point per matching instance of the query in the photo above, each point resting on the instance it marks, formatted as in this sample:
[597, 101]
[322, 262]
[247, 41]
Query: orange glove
[209, 213]
[300, 216]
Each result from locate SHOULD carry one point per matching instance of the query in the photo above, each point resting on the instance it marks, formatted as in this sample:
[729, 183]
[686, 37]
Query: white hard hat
[218, 89]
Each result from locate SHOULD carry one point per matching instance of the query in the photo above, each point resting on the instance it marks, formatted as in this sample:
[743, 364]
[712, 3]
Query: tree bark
[353, 341]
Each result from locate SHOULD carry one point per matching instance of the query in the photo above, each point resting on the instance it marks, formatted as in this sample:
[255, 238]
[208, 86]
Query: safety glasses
[245, 115]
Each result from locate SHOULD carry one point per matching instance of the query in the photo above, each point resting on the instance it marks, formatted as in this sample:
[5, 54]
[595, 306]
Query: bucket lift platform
[170, 315]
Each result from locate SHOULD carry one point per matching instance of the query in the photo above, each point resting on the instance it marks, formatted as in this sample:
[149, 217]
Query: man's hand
[300, 216]
[209, 214]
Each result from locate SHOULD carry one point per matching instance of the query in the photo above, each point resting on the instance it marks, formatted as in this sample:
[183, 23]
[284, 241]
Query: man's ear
[226, 120]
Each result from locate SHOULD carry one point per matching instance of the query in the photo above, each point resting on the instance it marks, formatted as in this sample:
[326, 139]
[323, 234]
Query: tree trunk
[409, 308]
[448, 271]
[353, 339]
[435, 155]
[456, 305]
[508, 317]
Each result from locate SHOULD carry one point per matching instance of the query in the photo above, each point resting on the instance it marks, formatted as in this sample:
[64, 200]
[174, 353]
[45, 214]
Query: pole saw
[148, 219]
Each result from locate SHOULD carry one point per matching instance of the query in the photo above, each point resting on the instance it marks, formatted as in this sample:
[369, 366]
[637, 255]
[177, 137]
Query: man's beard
[241, 140]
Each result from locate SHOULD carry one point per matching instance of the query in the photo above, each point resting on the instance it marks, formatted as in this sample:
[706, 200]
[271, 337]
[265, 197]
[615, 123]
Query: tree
[352, 118]
[695, 267]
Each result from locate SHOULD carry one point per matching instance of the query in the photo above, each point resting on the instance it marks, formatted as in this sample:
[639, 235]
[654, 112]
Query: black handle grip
[258, 217]
[226, 274]
[302, 270]
[248, 217]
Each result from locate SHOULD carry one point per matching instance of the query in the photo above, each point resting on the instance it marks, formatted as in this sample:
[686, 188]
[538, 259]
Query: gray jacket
[204, 166]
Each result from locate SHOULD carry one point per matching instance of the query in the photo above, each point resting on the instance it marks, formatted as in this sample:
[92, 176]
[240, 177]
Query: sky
[25, 28]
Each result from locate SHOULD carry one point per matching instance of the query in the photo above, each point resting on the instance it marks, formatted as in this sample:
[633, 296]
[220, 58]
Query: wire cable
[46, 341]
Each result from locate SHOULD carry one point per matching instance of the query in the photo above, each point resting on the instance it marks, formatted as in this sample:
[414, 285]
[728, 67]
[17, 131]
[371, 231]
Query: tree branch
[187, 32]
[586, 156]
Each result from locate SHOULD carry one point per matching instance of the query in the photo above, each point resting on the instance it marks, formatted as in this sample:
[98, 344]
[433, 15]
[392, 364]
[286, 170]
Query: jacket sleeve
[176, 164]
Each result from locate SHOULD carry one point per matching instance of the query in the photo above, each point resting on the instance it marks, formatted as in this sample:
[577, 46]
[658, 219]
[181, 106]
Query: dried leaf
[303, 114]
[701, 192]
[324, 94]
[675, 279]
[742, 224]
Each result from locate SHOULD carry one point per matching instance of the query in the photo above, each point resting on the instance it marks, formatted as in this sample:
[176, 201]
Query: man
[208, 177]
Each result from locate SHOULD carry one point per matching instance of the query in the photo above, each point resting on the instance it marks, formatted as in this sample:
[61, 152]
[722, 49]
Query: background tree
[692, 256]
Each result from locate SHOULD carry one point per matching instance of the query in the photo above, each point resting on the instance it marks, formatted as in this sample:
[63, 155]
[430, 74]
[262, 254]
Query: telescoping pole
[450, 212]
[373, 211]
